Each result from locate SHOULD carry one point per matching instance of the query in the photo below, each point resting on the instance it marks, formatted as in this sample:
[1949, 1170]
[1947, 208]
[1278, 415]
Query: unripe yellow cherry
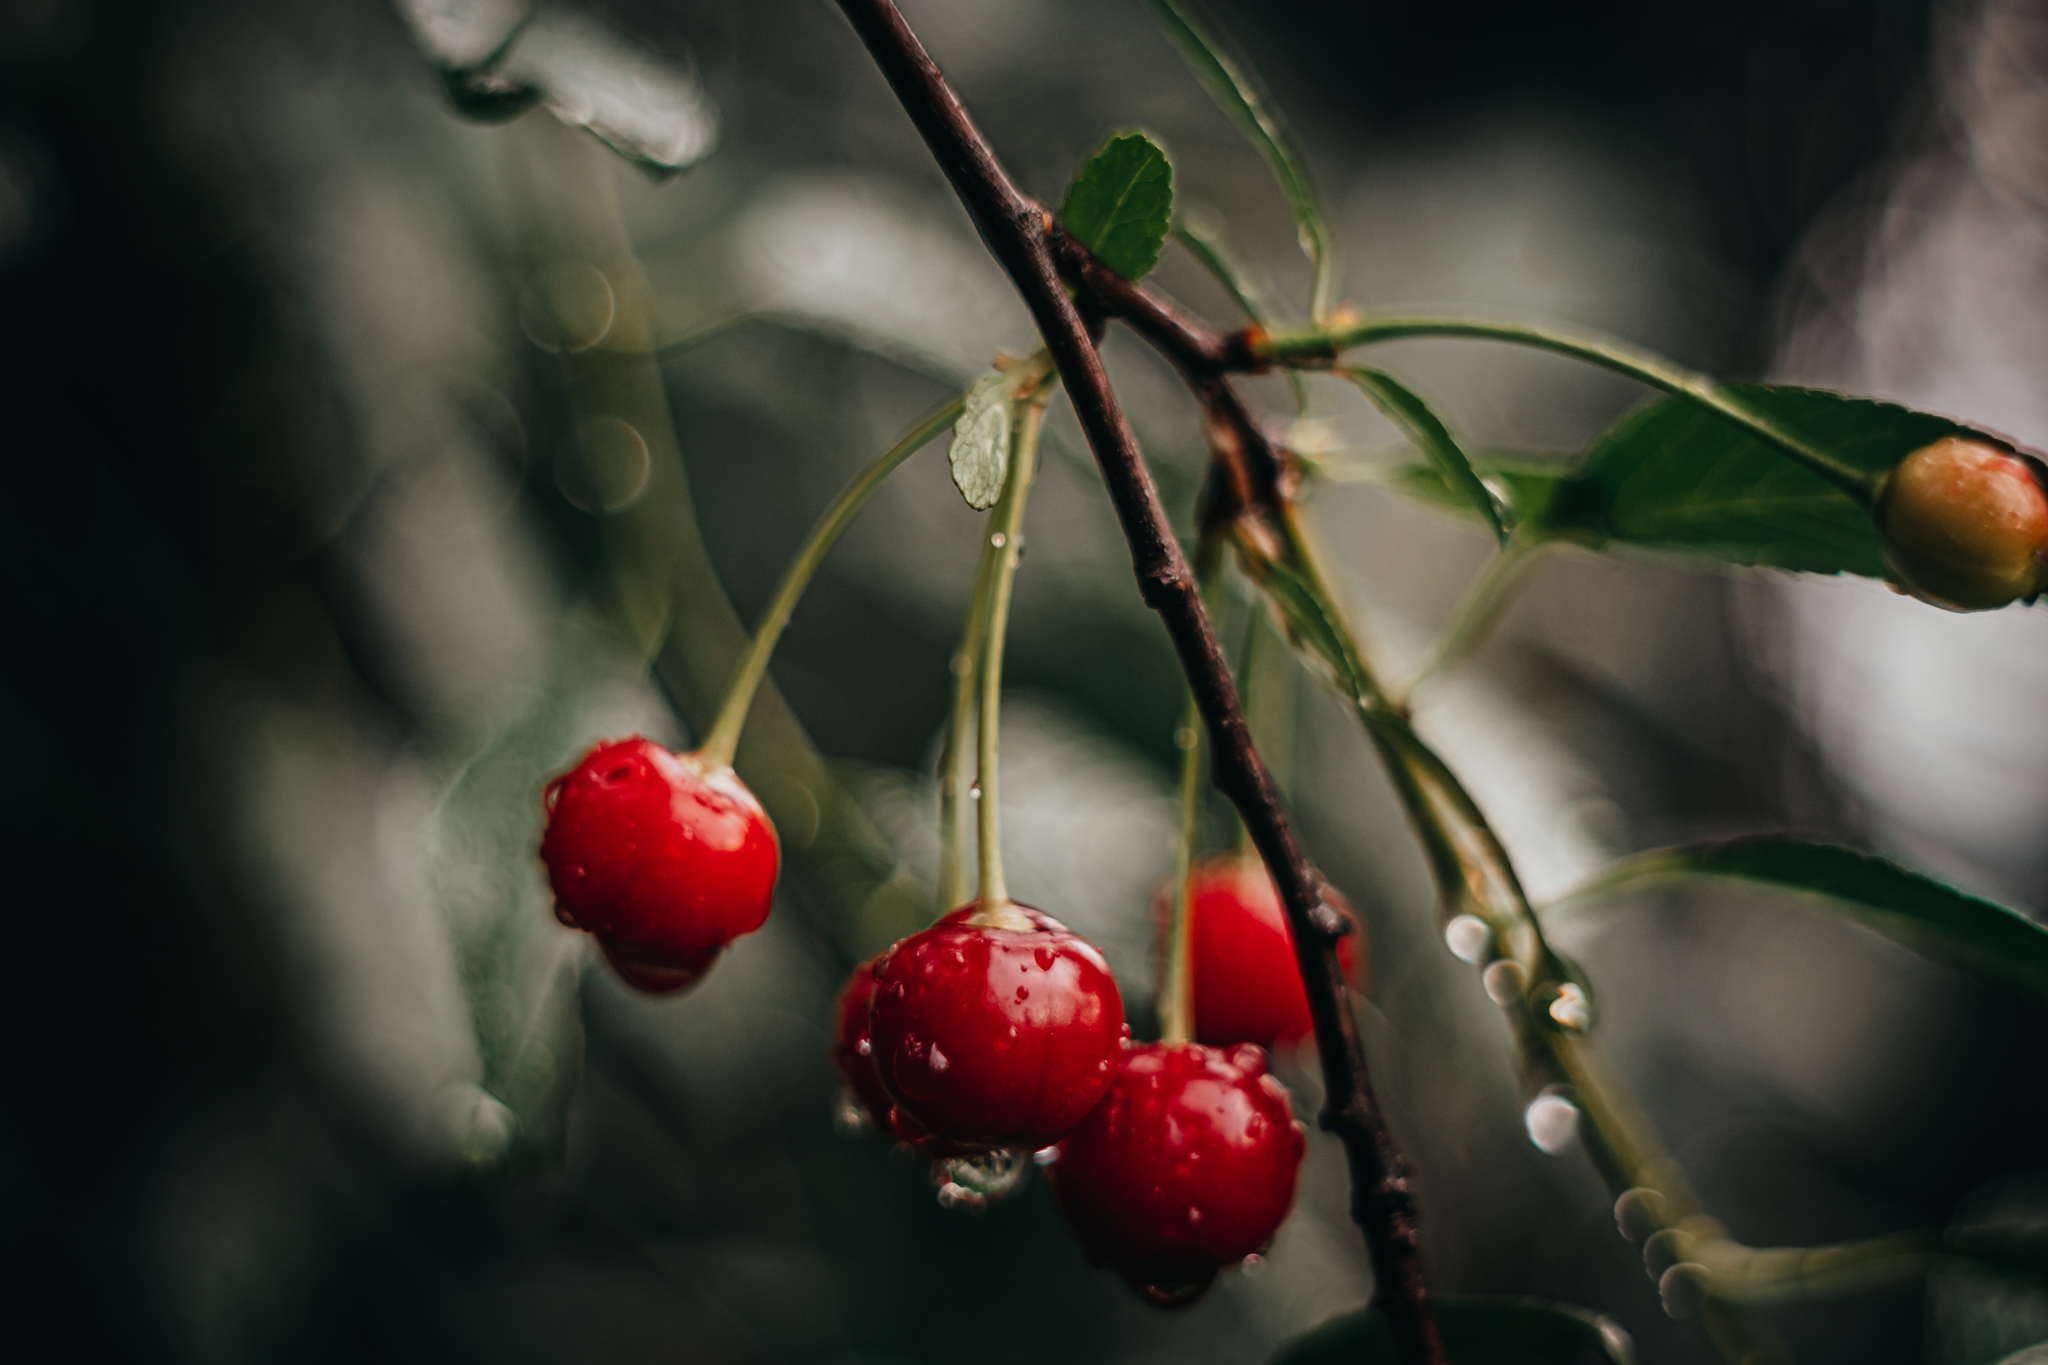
[1965, 525]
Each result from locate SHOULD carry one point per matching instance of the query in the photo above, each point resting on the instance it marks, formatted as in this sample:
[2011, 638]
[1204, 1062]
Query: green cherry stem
[1319, 347]
[1475, 613]
[1006, 540]
[723, 741]
[1177, 989]
[956, 764]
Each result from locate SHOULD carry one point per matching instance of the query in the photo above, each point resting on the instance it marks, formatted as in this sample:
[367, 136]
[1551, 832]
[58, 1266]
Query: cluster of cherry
[995, 1036]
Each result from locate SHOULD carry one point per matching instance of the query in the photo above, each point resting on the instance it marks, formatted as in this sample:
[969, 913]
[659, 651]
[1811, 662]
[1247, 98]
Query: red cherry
[1187, 1167]
[1246, 981]
[1965, 525]
[662, 860]
[997, 1034]
[852, 1052]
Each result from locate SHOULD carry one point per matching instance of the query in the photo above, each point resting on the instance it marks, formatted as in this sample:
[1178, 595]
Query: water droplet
[1570, 1009]
[1185, 737]
[1467, 937]
[1194, 1216]
[999, 540]
[960, 665]
[1638, 1213]
[1664, 1249]
[1553, 1123]
[1023, 994]
[991, 1175]
[937, 1061]
[960, 1199]
[1683, 1289]
[567, 306]
[1171, 1295]
[974, 792]
[1045, 1156]
[1045, 957]
[865, 1047]
[1253, 1266]
[849, 1120]
[1503, 982]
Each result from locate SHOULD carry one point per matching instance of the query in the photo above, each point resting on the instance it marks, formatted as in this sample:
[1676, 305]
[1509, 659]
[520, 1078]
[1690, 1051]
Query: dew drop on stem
[1467, 937]
[1503, 982]
[1553, 1123]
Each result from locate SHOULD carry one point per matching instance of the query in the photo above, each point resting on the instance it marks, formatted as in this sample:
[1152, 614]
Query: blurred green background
[366, 462]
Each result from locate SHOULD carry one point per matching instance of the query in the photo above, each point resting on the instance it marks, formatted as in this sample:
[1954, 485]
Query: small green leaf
[1675, 478]
[1240, 96]
[1901, 904]
[1311, 621]
[1476, 1331]
[980, 453]
[1121, 204]
[1407, 411]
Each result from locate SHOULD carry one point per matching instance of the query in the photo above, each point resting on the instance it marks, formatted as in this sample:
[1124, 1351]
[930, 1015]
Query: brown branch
[1022, 237]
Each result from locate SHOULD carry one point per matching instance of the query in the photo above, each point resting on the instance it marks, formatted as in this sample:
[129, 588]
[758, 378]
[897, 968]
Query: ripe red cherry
[1187, 1167]
[996, 1034]
[1965, 525]
[852, 1052]
[1247, 984]
[660, 858]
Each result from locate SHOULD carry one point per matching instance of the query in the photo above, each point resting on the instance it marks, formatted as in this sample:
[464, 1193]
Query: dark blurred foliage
[188, 1172]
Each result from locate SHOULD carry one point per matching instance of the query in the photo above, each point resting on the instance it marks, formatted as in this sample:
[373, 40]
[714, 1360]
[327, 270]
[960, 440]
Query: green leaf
[1476, 1331]
[1121, 204]
[1240, 96]
[1901, 904]
[1525, 485]
[1673, 477]
[1407, 411]
[1311, 621]
[980, 453]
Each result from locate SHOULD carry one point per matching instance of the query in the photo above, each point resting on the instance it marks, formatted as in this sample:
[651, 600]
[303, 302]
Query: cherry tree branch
[1024, 240]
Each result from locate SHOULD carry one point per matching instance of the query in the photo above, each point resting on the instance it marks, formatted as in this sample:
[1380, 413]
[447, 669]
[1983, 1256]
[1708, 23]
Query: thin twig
[1017, 231]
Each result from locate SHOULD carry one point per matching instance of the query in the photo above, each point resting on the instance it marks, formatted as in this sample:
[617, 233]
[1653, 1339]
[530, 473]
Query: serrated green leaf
[1476, 1331]
[1674, 478]
[1901, 904]
[1240, 96]
[980, 453]
[1406, 410]
[1121, 204]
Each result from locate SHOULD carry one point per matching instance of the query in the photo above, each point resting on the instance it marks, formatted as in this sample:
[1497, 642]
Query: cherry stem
[723, 741]
[1177, 991]
[1007, 543]
[956, 821]
[1474, 615]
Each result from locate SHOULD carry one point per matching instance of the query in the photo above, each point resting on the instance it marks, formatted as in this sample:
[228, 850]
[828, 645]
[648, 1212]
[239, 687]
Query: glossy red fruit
[1247, 985]
[1187, 1167]
[1965, 525]
[661, 859]
[996, 1035]
[852, 1052]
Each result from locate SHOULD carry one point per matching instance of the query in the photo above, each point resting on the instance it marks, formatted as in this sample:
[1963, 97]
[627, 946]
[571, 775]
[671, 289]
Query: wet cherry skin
[1965, 525]
[995, 1035]
[1247, 984]
[1187, 1166]
[852, 1052]
[661, 859]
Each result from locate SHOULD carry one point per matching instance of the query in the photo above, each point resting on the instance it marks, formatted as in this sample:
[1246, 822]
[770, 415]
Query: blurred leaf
[980, 453]
[1311, 621]
[1407, 411]
[1476, 1331]
[1526, 485]
[1240, 96]
[1201, 232]
[498, 57]
[1121, 204]
[1674, 477]
[1908, 906]
[518, 966]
